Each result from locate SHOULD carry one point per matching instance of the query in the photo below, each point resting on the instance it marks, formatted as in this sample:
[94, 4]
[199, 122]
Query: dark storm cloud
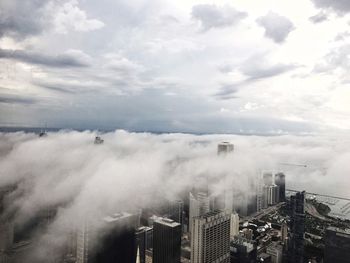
[319, 17]
[23, 18]
[339, 6]
[212, 16]
[69, 59]
[276, 27]
[13, 99]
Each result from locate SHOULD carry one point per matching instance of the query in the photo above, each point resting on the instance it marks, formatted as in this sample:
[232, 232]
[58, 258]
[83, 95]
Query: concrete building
[337, 245]
[267, 178]
[225, 148]
[210, 238]
[166, 241]
[199, 205]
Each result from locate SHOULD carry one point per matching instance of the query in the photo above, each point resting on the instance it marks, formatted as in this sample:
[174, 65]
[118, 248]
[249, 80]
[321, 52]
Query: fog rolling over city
[130, 171]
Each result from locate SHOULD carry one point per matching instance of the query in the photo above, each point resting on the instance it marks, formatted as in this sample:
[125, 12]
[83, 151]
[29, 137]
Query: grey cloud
[339, 6]
[71, 58]
[319, 17]
[16, 99]
[342, 36]
[276, 27]
[23, 18]
[212, 16]
[336, 58]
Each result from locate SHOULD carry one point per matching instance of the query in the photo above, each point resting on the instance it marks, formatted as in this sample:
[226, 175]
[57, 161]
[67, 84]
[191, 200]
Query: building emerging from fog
[280, 181]
[114, 242]
[166, 241]
[210, 238]
[199, 205]
[337, 245]
[225, 148]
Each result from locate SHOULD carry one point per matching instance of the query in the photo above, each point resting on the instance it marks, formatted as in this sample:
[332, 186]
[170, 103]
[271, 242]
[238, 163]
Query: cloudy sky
[161, 65]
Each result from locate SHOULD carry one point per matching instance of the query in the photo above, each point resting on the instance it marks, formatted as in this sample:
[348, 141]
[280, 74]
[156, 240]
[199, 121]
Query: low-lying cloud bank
[131, 170]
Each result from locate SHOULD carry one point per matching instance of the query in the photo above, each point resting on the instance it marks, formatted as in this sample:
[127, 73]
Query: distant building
[337, 245]
[175, 210]
[225, 148]
[267, 178]
[297, 228]
[166, 241]
[234, 225]
[273, 196]
[199, 205]
[98, 140]
[243, 250]
[210, 238]
[280, 181]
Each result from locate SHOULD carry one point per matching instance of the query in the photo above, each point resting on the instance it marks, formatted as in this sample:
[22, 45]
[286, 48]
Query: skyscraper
[166, 241]
[175, 212]
[210, 238]
[234, 225]
[199, 205]
[280, 181]
[267, 178]
[224, 148]
[144, 242]
[297, 228]
[114, 242]
[337, 245]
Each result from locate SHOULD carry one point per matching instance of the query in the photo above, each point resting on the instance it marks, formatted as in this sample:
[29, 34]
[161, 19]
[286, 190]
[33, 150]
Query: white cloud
[71, 17]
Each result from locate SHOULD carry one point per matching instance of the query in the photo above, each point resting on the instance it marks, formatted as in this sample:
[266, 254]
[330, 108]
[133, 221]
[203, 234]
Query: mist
[131, 171]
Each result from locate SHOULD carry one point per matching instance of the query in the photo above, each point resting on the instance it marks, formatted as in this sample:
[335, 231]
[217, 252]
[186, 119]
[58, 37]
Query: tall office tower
[297, 228]
[267, 178]
[337, 245]
[234, 225]
[210, 238]
[175, 212]
[199, 205]
[114, 242]
[225, 148]
[275, 250]
[273, 197]
[166, 241]
[144, 242]
[243, 250]
[265, 196]
[280, 181]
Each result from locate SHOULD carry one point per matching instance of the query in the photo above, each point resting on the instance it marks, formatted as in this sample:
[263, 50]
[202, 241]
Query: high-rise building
[144, 242]
[280, 181]
[199, 205]
[113, 242]
[273, 197]
[175, 212]
[166, 241]
[210, 238]
[267, 178]
[297, 228]
[337, 245]
[225, 148]
[234, 225]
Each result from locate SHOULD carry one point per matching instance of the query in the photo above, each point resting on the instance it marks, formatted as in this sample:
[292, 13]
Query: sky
[182, 66]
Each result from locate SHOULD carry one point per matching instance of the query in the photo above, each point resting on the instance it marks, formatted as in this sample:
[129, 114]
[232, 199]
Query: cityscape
[186, 131]
[210, 217]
